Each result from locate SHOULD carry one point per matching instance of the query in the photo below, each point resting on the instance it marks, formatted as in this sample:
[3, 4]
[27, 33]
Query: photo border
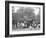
[7, 18]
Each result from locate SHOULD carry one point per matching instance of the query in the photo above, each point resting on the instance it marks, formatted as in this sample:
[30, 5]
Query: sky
[16, 8]
[36, 11]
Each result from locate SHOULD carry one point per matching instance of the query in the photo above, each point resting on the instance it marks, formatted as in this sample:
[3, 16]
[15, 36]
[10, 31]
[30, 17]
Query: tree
[28, 12]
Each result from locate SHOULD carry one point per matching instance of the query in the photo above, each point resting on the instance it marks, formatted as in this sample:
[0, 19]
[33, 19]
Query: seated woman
[34, 25]
[20, 24]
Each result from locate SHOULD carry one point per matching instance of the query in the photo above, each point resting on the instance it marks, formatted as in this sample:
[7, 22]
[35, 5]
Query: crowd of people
[25, 24]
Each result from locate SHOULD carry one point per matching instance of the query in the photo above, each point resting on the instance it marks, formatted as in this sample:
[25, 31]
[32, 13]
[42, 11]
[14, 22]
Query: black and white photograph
[25, 18]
